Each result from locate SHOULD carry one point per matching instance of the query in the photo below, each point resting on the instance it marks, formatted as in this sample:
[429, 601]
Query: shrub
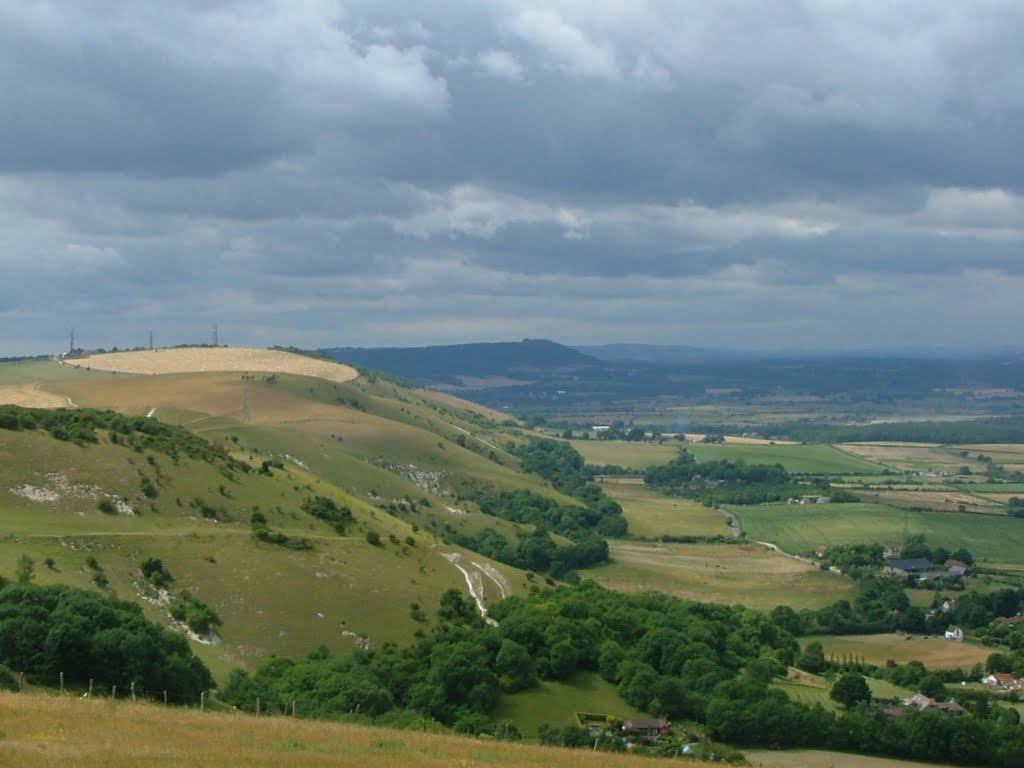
[373, 538]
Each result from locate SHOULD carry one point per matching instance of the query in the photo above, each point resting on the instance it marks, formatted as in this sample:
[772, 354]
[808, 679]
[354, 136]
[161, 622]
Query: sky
[784, 175]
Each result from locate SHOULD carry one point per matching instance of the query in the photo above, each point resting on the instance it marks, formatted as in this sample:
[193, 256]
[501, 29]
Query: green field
[631, 455]
[996, 540]
[814, 689]
[651, 515]
[798, 459]
[723, 573]
[555, 703]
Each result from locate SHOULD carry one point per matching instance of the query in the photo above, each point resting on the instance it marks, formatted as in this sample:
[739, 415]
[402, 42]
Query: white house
[954, 633]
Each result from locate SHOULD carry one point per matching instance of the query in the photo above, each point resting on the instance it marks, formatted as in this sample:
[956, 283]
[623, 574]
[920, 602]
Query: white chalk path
[496, 576]
[475, 583]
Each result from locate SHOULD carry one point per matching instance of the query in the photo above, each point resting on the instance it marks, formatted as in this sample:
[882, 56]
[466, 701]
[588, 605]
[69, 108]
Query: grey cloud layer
[396, 172]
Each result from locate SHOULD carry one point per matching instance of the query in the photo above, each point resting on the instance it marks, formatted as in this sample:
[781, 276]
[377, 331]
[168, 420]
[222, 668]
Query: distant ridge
[660, 353]
[449, 363]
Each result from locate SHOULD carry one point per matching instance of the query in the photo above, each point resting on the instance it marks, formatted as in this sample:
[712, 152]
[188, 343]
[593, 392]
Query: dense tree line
[727, 482]
[46, 630]
[563, 466]
[665, 654]
[709, 663]
[976, 431]
[536, 551]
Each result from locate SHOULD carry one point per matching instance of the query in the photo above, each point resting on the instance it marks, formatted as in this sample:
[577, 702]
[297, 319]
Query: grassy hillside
[340, 592]
[371, 445]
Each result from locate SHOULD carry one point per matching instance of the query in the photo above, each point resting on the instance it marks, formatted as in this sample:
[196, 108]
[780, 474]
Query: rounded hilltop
[204, 359]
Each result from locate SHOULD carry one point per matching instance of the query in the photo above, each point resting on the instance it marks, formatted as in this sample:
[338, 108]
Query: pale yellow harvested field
[695, 437]
[30, 396]
[199, 359]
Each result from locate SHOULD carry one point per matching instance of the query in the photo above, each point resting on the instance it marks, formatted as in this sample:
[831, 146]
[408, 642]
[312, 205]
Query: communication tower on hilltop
[151, 340]
[215, 334]
[71, 346]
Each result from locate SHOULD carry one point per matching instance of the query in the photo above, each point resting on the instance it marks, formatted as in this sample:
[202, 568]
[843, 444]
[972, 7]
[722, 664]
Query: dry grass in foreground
[45, 730]
[198, 359]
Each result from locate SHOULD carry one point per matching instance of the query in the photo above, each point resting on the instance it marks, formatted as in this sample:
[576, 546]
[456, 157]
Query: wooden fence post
[165, 697]
[90, 687]
[113, 691]
[62, 682]
[133, 690]
[202, 701]
[257, 706]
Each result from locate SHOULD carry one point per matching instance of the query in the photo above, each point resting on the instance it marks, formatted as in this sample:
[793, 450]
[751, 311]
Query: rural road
[734, 522]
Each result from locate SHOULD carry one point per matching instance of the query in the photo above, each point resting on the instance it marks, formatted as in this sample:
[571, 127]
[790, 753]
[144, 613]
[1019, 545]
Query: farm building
[904, 567]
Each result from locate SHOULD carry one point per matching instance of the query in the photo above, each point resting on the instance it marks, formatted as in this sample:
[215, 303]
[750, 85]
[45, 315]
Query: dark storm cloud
[459, 170]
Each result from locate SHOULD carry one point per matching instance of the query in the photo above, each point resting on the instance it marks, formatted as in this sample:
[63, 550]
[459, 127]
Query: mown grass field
[812, 689]
[798, 459]
[724, 573]
[651, 515]
[555, 703]
[934, 652]
[996, 540]
[42, 730]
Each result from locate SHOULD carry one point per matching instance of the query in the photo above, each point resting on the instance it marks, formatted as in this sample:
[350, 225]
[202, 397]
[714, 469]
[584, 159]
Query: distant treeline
[1008, 429]
[45, 631]
[727, 482]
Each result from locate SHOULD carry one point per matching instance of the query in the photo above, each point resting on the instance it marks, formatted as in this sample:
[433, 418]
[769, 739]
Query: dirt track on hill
[31, 396]
[199, 359]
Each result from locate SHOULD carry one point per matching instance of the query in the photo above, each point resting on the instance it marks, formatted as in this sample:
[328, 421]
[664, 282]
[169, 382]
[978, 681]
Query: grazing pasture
[555, 703]
[651, 515]
[997, 540]
[747, 575]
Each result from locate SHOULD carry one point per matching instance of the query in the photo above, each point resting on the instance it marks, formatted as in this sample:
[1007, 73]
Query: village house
[948, 606]
[893, 550]
[1009, 621]
[1004, 681]
[648, 729]
[923, 703]
[954, 632]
